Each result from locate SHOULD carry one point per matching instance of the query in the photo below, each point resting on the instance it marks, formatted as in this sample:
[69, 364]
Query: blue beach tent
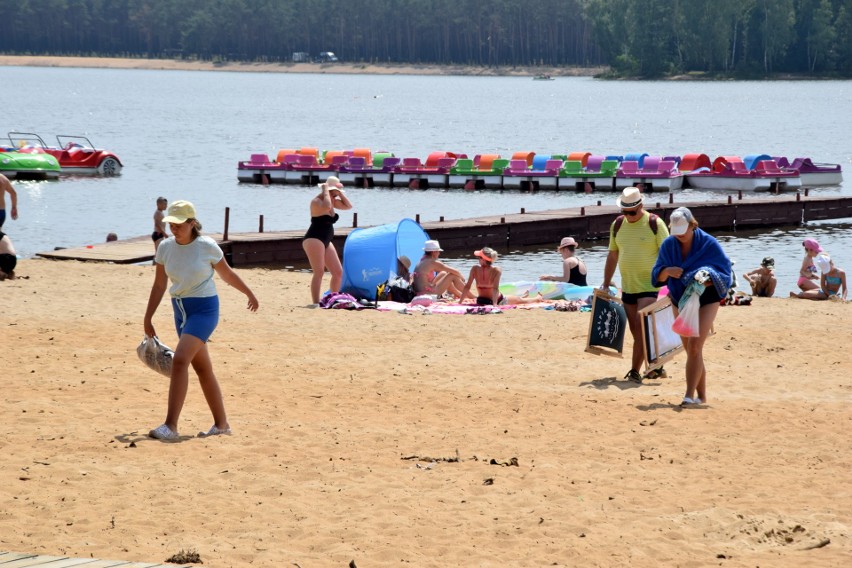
[370, 256]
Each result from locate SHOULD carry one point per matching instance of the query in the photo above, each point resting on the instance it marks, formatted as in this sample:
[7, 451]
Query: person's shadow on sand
[606, 382]
[133, 438]
[670, 406]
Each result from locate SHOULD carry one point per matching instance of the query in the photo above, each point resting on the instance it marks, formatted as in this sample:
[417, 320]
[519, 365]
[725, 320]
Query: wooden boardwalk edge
[18, 560]
[516, 229]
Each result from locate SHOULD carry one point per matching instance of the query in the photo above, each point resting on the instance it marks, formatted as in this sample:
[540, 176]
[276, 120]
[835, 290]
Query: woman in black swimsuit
[318, 240]
[573, 269]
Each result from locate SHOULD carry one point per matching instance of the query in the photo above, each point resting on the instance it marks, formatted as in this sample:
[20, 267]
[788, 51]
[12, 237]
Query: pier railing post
[260, 224]
[355, 220]
[227, 221]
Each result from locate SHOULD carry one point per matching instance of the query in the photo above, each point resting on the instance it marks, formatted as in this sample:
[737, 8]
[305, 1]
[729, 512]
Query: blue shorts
[2, 215]
[196, 316]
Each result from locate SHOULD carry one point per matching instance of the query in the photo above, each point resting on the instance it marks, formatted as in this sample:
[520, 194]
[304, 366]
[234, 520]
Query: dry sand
[288, 67]
[331, 409]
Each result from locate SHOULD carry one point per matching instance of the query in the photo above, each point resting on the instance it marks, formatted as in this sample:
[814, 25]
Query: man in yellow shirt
[635, 238]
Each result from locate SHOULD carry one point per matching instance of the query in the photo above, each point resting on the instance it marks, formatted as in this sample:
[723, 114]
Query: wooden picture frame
[659, 342]
[607, 325]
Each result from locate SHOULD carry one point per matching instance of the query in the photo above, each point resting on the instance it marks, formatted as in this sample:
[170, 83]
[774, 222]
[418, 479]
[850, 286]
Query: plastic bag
[156, 355]
[686, 322]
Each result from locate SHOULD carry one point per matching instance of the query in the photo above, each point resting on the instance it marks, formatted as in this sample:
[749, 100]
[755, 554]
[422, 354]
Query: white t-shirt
[190, 267]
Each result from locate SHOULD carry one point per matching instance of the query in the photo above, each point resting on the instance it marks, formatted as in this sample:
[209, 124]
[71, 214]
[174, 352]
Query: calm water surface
[180, 134]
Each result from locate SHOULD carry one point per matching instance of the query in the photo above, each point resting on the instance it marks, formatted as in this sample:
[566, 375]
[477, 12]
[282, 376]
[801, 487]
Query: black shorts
[709, 296]
[8, 262]
[633, 299]
[156, 236]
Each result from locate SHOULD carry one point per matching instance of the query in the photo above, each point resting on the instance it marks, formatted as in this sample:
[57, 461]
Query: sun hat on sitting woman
[567, 242]
[812, 244]
[680, 221]
[432, 246]
[487, 253]
[179, 212]
[631, 197]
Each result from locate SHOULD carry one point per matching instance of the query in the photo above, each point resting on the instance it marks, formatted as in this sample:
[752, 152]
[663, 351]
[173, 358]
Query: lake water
[180, 135]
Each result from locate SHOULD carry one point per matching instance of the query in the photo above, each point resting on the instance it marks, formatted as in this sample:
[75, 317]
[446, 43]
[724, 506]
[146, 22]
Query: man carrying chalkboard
[633, 246]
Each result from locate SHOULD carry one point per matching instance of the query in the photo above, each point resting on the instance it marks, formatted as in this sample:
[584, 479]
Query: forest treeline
[644, 38]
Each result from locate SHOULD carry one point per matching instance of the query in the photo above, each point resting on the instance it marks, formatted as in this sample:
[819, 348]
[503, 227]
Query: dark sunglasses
[630, 212]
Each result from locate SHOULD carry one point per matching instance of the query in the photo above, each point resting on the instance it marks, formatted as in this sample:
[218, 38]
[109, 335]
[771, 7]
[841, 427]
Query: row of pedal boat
[528, 171]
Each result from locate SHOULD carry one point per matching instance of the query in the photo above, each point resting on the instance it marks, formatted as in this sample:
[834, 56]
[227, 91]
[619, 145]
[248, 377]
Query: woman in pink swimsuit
[808, 273]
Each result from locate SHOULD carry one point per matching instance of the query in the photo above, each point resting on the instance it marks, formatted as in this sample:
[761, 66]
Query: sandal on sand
[163, 432]
[659, 373]
[633, 376]
[215, 431]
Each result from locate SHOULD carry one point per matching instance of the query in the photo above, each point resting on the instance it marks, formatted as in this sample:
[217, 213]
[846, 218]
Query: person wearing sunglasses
[573, 268]
[635, 239]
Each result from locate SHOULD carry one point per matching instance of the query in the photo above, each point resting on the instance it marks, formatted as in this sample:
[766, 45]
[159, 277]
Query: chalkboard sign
[659, 341]
[607, 325]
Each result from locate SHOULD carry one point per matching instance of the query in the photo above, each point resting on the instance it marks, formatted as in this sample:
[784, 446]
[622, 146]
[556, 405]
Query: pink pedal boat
[813, 174]
[730, 172]
[652, 174]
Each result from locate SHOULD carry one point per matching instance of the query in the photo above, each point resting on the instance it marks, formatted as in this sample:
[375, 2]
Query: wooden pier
[518, 229]
[17, 560]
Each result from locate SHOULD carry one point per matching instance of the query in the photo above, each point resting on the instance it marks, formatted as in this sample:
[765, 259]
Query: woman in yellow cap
[189, 260]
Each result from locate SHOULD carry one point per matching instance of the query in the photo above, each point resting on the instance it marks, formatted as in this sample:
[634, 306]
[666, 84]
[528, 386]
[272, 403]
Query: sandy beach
[390, 439]
[289, 67]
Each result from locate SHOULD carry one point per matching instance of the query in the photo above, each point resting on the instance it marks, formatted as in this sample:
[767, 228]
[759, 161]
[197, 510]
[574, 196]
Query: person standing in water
[160, 231]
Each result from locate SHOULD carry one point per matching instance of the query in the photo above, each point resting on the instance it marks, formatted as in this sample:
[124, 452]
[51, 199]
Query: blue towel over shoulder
[706, 254]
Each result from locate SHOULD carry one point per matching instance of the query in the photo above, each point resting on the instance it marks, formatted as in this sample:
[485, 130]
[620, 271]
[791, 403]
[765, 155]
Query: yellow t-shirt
[637, 247]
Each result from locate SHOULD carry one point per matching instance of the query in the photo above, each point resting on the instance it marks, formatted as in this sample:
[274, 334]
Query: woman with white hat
[689, 256]
[431, 276]
[317, 242]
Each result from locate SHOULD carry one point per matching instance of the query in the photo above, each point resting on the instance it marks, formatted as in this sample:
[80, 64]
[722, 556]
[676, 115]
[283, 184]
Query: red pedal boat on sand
[76, 154]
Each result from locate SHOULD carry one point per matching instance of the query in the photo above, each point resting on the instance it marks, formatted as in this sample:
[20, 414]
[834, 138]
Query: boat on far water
[543, 77]
[813, 174]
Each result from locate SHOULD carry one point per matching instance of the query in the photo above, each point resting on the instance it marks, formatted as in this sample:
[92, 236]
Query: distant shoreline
[289, 67]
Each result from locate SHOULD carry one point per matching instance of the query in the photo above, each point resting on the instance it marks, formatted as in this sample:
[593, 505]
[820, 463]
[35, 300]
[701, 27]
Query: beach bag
[396, 290]
[686, 322]
[156, 355]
